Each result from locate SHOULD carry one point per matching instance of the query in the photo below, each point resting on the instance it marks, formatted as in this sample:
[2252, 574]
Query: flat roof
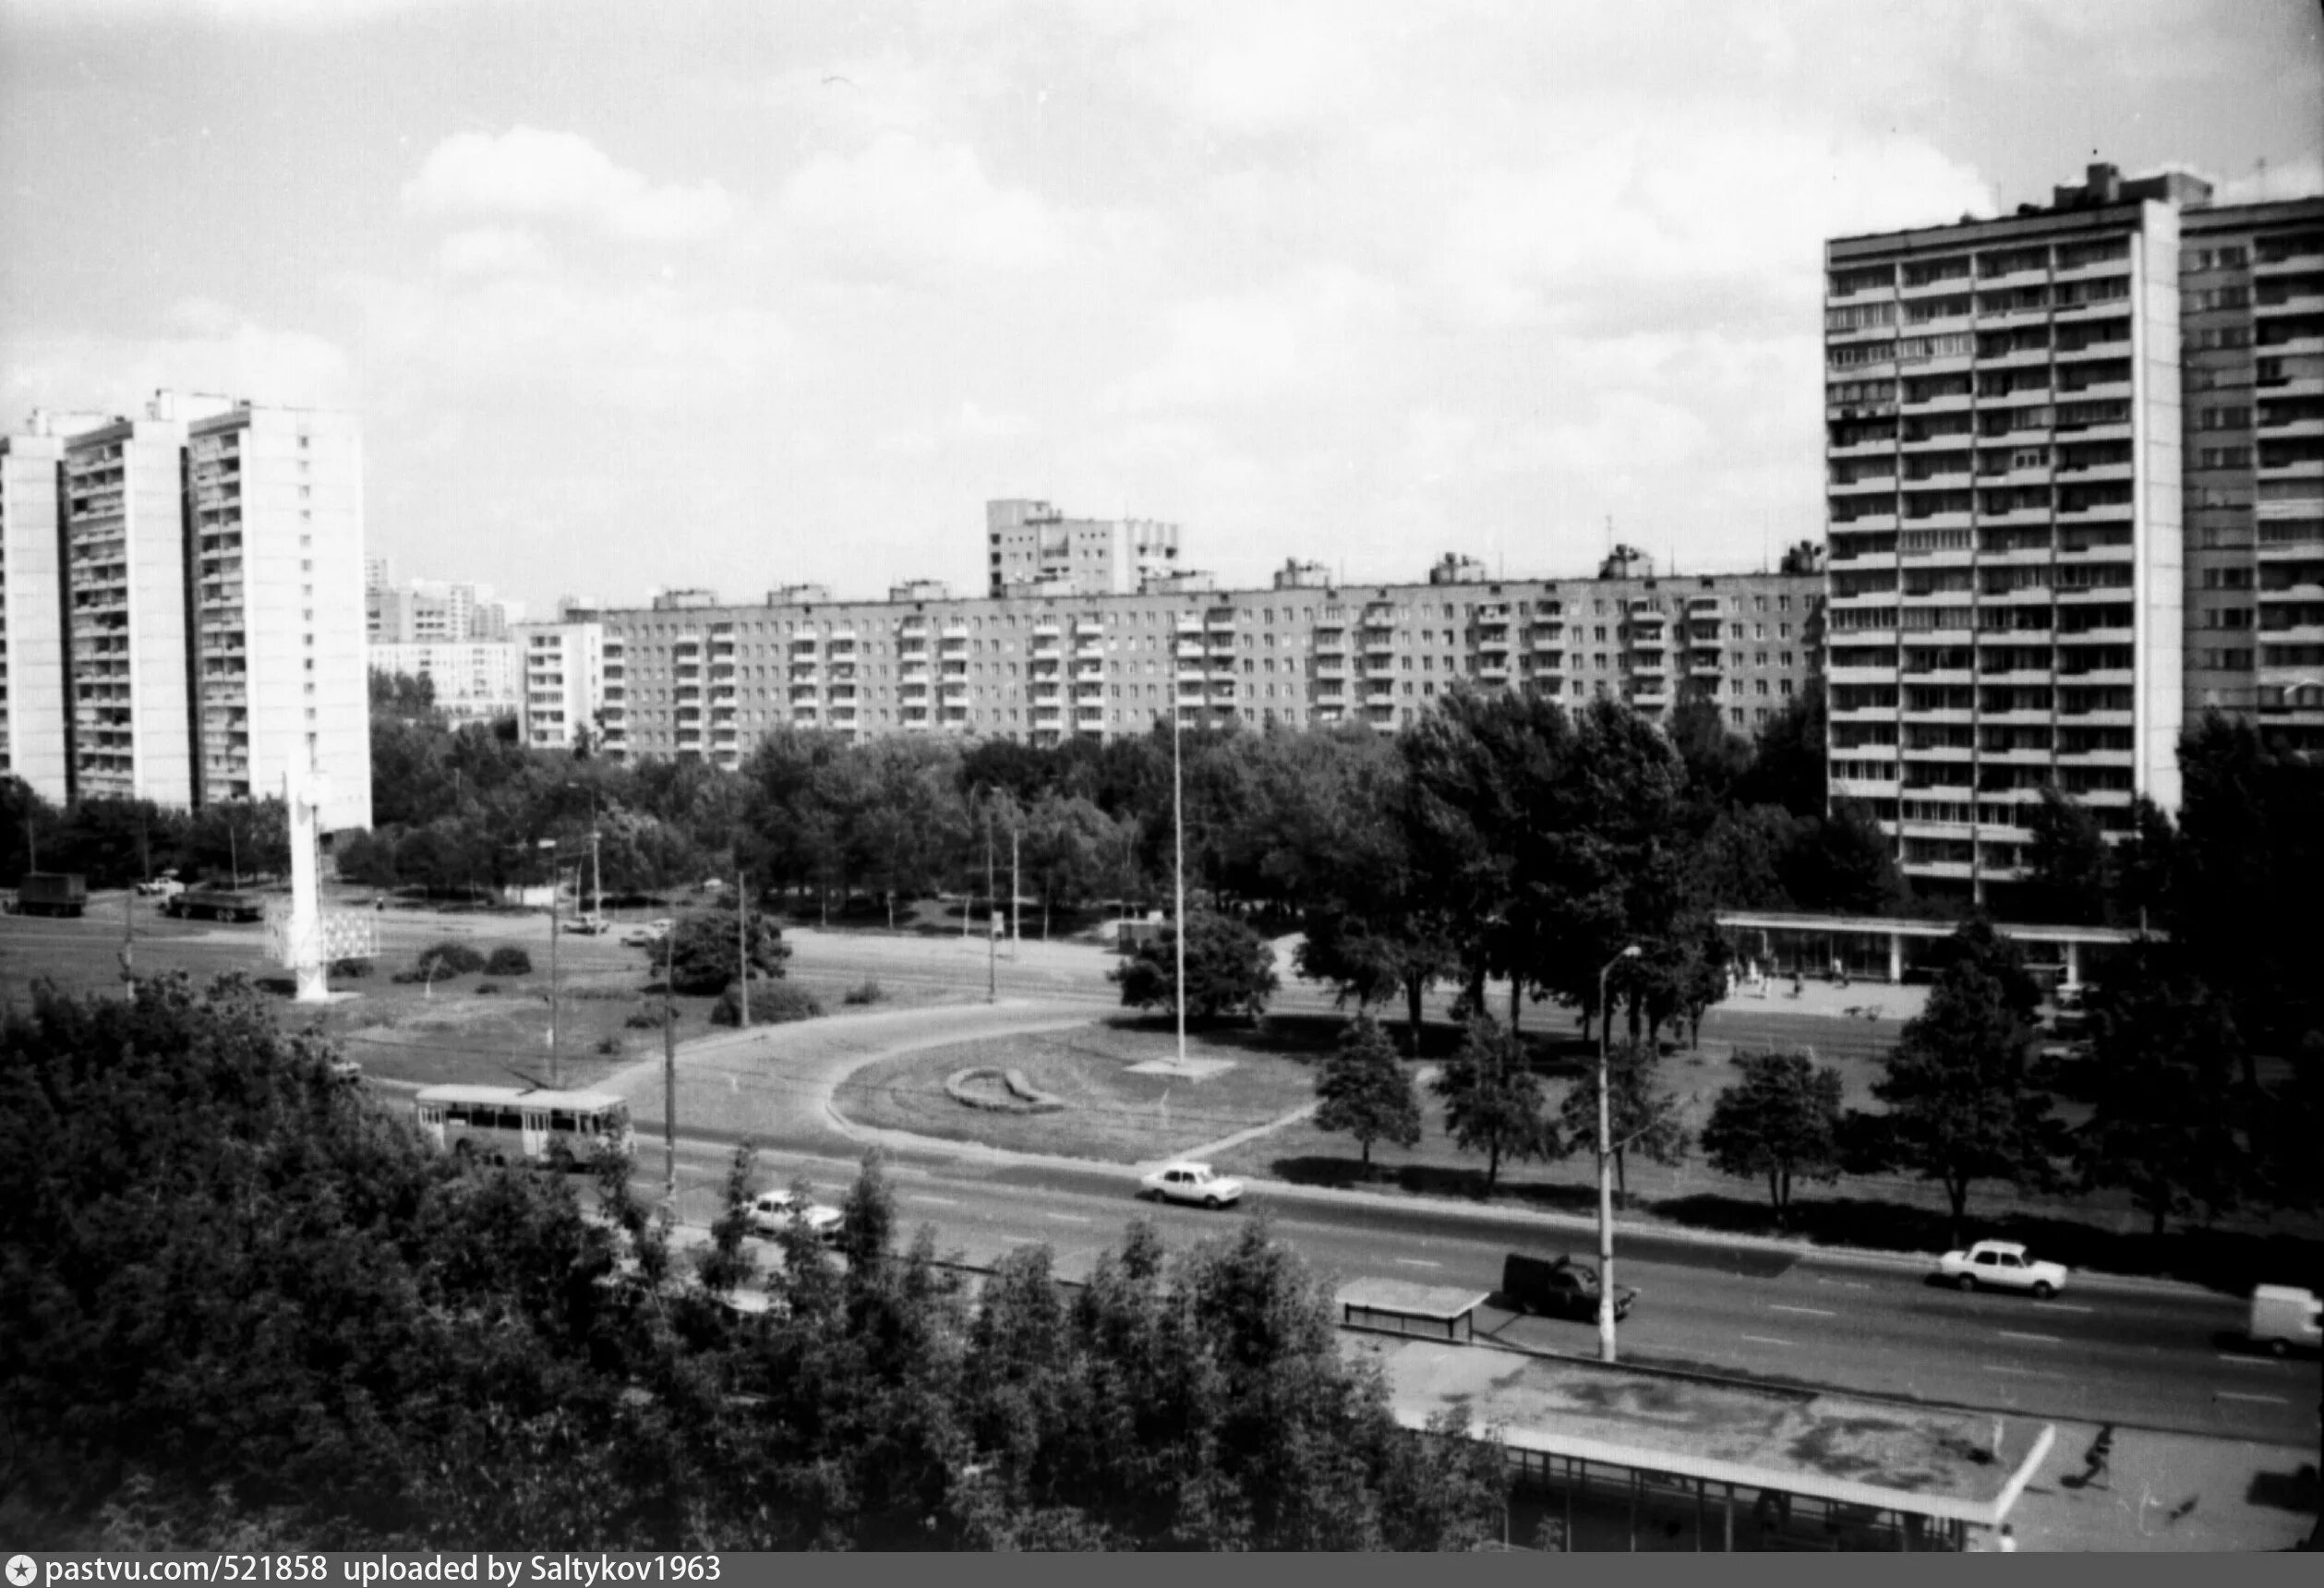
[1412, 1298]
[1965, 1466]
[523, 1097]
[1914, 926]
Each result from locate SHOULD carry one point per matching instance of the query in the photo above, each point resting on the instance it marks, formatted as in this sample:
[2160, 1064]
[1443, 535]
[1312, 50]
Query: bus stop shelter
[1396, 1306]
[1615, 1458]
[1889, 948]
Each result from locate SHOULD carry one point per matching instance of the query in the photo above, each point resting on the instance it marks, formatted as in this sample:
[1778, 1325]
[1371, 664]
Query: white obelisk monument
[304, 794]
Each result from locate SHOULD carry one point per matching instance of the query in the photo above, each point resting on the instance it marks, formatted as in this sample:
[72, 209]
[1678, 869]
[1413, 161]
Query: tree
[2072, 881]
[1960, 1104]
[1781, 1120]
[705, 951]
[1492, 1101]
[1787, 761]
[1640, 1116]
[1068, 843]
[1230, 970]
[1365, 1093]
[2163, 1052]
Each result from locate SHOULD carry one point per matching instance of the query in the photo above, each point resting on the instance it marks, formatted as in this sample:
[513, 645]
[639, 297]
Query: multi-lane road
[2124, 1352]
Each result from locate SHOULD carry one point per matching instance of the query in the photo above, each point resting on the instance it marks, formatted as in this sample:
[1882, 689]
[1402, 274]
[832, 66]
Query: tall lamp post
[1605, 1168]
[1178, 839]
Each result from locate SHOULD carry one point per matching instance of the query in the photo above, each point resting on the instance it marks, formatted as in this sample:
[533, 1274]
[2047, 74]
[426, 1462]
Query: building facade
[2074, 459]
[476, 681]
[2252, 301]
[436, 611]
[1033, 548]
[708, 682]
[205, 571]
[564, 679]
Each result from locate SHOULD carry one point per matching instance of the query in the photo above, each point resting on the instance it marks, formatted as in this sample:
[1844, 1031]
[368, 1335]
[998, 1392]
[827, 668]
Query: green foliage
[865, 992]
[2163, 1055]
[1492, 1101]
[705, 951]
[772, 1004]
[2073, 876]
[1961, 1105]
[508, 960]
[450, 958]
[1780, 1121]
[1364, 1093]
[1230, 970]
[1641, 1116]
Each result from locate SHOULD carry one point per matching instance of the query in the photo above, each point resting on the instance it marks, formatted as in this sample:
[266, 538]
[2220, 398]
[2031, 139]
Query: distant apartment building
[475, 680]
[183, 596]
[705, 683]
[564, 677]
[2023, 414]
[1032, 548]
[436, 611]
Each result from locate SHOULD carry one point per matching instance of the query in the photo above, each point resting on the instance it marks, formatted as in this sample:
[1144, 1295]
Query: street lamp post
[1605, 1168]
[550, 845]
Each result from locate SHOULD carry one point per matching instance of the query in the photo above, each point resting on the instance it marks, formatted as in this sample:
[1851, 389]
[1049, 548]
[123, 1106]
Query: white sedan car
[2004, 1265]
[1187, 1181]
[774, 1210]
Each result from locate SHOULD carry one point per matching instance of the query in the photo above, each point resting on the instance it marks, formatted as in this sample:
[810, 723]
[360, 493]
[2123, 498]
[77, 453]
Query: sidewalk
[2168, 1492]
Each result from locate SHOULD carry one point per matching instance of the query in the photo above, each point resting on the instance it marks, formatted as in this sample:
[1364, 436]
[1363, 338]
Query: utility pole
[552, 972]
[129, 941]
[1178, 836]
[1015, 893]
[596, 878]
[743, 944]
[1605, 1167]
[669, 1072]
[992, 921]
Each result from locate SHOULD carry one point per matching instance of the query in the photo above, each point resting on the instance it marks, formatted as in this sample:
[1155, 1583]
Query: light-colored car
[1190, 1182]
[2003, 1265]
[2284, 1317]
[166, 885]
[648, 932]
[774, 1210]
[588, 925]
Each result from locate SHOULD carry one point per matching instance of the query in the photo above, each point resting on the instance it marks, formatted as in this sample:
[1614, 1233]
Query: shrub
[486, 989]
[648, 1018]
[351, 969]
[772, 1004]
[868, 991]
[509, 960]
[609, 1043]
[450, 958]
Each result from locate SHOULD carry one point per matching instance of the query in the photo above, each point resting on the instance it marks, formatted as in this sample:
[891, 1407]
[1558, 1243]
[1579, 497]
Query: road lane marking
[1803, 1311]
[1420, 1263]
[2251, 1361]
[2038, 1339]
[2062, 1306]
[1067, 1217]
[939, 1202]
[1767, 1340]
[2264, 1400]
[1846, 1284]
[2016, 1372]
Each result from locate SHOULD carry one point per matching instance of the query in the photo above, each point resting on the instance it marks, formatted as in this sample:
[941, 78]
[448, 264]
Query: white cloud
[207, 346]
[492, 251]
[526, 174]
[904, 209]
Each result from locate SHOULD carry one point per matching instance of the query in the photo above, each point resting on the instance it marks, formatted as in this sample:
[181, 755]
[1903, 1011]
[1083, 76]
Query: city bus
[523, 1125]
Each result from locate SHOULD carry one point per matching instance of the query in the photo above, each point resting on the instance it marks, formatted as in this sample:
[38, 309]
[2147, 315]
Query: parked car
[1189, 1182]
[2283, 1317]
[588, 925]
[2004, 1265]
[1558, 1287]
[645, 934]
[166, 885]
[774, 1210]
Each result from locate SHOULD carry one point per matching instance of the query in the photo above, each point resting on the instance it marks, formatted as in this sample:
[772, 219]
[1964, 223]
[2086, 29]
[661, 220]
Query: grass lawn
[1112, 1114]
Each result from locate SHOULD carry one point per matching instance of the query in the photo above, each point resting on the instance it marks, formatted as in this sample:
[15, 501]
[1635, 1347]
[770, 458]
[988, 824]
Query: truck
[2283, 1317]
[51, 893]
[215, 904]
[1558, 1287]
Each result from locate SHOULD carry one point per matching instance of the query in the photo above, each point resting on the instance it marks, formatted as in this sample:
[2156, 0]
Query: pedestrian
[2007, 1543]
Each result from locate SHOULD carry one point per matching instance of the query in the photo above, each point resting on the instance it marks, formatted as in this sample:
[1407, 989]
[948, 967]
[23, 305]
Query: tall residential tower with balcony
[2005, 507]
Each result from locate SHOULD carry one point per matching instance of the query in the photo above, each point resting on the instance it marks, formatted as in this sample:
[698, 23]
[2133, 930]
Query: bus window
[562, 1121]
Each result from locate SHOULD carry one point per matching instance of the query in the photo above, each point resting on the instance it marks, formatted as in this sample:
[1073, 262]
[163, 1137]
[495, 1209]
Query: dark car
[1557, 1287]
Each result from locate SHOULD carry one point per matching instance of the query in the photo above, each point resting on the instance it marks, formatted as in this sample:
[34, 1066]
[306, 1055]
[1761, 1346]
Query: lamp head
[1632, 951]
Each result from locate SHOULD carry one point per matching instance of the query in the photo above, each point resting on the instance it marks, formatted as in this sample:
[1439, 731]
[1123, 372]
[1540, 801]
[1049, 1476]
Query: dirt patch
[1111, 1113]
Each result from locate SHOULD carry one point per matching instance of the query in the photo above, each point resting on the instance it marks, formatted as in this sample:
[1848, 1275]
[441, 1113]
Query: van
[2283, 1317]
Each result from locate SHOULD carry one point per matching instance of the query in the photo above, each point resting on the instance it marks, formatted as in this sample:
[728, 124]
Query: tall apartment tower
[2252, 293]
[1032, 548]
[2002, 453]
[205, 577]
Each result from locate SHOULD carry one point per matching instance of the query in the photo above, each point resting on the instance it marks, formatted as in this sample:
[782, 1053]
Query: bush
[509, 960]
[865, 992]
[772, 1004]
[609, 1043]
[351, 969]
[450, 958]
[486, 989]
[648, 1018]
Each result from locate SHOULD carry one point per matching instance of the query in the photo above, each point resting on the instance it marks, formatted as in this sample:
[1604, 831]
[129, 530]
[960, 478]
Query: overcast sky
[749, 293]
